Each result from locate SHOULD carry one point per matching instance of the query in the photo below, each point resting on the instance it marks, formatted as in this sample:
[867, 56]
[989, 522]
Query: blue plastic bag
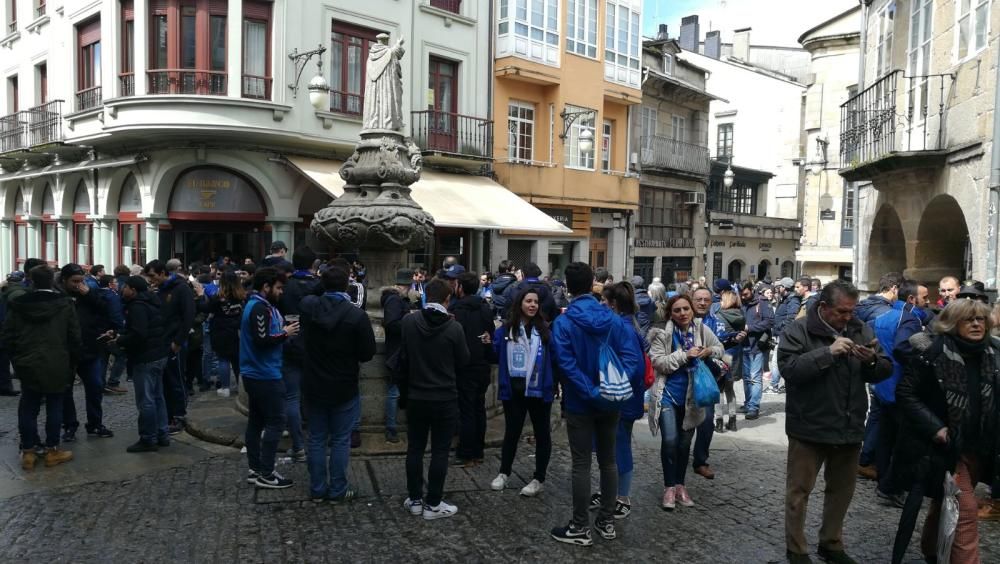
[706, 391]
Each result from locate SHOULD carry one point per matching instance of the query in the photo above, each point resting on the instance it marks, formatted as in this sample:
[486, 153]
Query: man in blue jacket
[893, 330]
[577, 337]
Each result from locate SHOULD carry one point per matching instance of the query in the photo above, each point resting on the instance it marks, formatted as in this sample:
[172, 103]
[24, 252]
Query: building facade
[827, 206]
[670, 132]
[927, 199]
[566, 75]
[187, 128]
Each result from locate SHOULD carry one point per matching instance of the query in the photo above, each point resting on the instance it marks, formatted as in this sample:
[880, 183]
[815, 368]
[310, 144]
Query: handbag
[650, 374]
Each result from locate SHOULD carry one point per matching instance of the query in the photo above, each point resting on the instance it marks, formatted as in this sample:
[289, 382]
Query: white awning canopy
[453, 200]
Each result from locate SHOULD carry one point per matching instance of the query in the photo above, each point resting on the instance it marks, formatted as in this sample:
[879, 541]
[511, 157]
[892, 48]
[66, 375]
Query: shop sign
[676, 243]
[214, 191]
[764, 247]
[731, 244]
[828, 215]
[562, 215]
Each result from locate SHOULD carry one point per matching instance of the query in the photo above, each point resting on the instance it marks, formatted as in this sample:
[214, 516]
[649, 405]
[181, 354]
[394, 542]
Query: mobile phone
[104, 338]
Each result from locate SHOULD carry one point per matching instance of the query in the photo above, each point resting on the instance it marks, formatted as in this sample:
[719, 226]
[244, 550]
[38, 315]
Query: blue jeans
[775, 374]
[147, 380]
[265, 422]
[225, 368]
[391, 406]
[870, 446]
[753, 374]
[330, 425]
[675, 445]
[291, 373]
[623, 456]
[118, 368]
[174, 390]
[703, 438]
[91, 373]
[27, 418]
[209, 361]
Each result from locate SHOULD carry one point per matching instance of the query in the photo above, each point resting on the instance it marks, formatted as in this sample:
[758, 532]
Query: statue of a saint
[384, 92]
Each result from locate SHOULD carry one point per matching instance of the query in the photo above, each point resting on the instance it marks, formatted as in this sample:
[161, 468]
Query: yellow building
[566, 75]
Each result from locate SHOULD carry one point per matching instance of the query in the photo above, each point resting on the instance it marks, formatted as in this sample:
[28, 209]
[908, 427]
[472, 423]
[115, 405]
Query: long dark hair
[622, 296]
[230, 287]
[515, 318]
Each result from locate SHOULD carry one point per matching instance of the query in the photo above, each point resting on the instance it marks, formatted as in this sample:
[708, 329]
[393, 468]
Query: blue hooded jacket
[892, 327]
[578, 335]
[634, 408]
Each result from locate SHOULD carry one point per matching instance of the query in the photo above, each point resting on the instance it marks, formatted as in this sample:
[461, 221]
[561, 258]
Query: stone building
[827, 205]
[919, 138]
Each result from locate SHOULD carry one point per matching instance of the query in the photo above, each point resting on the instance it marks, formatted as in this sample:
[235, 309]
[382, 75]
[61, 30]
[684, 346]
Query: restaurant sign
[215, 192]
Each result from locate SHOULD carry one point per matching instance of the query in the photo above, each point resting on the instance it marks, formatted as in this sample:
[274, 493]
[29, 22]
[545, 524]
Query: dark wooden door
[443, 121]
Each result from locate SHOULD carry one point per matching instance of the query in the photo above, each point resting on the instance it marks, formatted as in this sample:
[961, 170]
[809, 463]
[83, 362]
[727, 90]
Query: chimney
[741, 44]
[662, 34]
[690, 34]
[713, 44]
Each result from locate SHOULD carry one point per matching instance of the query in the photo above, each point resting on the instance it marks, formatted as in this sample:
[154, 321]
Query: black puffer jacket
[475, 317]
[827, 399]
[144, 338]
[337, 338]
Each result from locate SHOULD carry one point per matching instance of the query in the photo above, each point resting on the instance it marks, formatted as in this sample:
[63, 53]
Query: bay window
[576, 157]
[581, 27]
[530, 29]
[188, 47]
[348, 57]
[621, 42]
[257, 50]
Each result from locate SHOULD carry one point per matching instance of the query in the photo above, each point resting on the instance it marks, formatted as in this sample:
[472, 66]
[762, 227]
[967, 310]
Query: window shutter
[218, 7]
[128, 10]
[158, 6]
[257, 10]
[89, 32]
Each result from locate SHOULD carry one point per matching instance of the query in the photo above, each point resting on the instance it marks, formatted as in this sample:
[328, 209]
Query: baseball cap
[278, 246]
[454, 271]
[722, 285]
[788, 283]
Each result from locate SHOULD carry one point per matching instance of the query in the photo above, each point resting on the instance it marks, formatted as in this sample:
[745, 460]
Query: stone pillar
[478, 261]
[540, 254]
[234, 24]
[141, 54]
[282, 229]
[64, 241]
[110, 243]
[34, 237]
[6, 246]
[581, 251]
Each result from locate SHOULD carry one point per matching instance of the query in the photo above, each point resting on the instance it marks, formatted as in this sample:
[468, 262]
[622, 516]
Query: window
[606, 146]
[11, 16]
[40, 8]
[257, 50]
[530, 29]
[453, 6]
[918, 57]
[741, 197]
[442, 119]
[187, 52]
[643, 266]
[13, 95]
[88, 83]
[664, 217]
[678, 128]
[348, 57]
[42, 78]
[126, 76]
[847, 223]
[886, 22]
[668, 63]
[521, 124]
[973, 27]
[621, 42]
[647, 125]
[83, 229]
[576, 157]
[724, 142]
[133, 243]
[599, 247]
[581, 27]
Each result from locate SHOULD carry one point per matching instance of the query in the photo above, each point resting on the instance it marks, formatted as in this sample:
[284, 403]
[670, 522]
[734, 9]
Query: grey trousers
[583, 432]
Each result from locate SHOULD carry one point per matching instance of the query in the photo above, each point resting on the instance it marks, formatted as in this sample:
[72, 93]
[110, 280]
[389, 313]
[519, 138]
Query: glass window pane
[160, 24]
[255, 51]
[982, 18]
[217, 27]
[22, 241]
[188, 41]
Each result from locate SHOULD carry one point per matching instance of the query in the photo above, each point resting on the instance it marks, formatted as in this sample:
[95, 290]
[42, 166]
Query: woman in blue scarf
[524, 353]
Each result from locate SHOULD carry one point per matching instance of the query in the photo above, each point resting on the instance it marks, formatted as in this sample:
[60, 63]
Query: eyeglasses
[977, 319]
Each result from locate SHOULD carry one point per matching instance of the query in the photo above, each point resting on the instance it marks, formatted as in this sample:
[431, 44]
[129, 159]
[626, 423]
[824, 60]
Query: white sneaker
[415, 507]
[439, 511]
[223, 392]
[533, 488]
[499, 483]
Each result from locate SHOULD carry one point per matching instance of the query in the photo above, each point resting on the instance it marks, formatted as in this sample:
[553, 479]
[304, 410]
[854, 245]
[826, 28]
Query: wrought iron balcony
[453, 134]
[88, 98]
[256, 87]
[453, 6]
[126, 83]
[187, 81]
[33, 127]
[665, 154]
[895, 116]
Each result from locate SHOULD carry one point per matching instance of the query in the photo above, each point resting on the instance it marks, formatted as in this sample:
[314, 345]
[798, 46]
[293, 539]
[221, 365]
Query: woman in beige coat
[675, 352]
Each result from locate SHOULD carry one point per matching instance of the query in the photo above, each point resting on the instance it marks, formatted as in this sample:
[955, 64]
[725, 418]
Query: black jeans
[514, 412]
[27, 418]
[888, 429]
[472, 385]
[266, 403]
[583, 432]
[437, 418]
[91, 372]
[174, 391]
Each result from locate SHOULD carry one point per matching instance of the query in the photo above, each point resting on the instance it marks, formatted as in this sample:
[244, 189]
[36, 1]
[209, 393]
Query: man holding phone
[826, 358]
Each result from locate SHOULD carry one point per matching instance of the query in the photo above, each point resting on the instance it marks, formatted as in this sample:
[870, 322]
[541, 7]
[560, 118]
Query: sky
[774, 22]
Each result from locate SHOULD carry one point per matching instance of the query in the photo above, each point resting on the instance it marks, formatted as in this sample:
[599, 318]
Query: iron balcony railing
[187, 81]
[663, 153]
[897, 113]
[89, 98]
[344, 102]
[126, 84]
[36, 126]
[453, 6]
[256, 87]
[448, 132]
[40, 10]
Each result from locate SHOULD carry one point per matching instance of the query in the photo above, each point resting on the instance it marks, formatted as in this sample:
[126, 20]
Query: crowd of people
[891, 388]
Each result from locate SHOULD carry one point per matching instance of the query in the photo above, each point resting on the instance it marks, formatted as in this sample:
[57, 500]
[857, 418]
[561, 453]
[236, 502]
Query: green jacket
[42, 336]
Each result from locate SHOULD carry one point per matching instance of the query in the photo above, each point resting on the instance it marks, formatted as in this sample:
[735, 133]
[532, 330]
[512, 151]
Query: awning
[453, 200]
[67, 168]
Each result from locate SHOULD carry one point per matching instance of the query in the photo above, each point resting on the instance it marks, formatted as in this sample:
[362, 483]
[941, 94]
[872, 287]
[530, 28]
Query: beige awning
[453, 200]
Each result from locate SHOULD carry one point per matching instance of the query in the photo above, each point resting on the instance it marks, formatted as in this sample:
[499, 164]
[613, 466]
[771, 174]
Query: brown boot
[868, 472]
[28, 459]
[55, 457]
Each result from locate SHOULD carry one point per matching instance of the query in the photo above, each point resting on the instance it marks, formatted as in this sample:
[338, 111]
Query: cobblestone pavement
[202, 511]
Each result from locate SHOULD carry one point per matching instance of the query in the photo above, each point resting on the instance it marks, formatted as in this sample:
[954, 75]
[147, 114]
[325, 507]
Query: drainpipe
[993, 217]
[856, 231]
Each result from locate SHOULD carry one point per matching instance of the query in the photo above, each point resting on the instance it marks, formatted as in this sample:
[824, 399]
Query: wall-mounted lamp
[818, 165]
[586, 136]
[319, 89]
[728, 176]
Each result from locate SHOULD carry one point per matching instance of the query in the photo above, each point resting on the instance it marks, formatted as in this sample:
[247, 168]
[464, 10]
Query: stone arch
[887, 244]
[942, 245]
[14, 199]
[42, 199]
[163, 180]
[788, 269]
[736, 270]
[113, 184]
[75, 192]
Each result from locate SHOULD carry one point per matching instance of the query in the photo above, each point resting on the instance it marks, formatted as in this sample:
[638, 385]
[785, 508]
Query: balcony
[896, 123]
[126, 84]
[256, 87]
[34, 127]
[88, 99]
[187, 81]
[452, 134]
[662, 154]
[349, 103]
[453, 6]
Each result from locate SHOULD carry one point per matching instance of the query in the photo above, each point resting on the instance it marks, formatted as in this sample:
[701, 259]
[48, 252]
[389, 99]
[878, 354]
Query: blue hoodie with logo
[577, 336]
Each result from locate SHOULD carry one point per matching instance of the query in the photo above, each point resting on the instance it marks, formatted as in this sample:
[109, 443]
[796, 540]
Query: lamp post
[319, 89]
[728, 176]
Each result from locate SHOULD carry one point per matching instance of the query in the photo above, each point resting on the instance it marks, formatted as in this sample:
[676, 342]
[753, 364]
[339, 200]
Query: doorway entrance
[196, 241]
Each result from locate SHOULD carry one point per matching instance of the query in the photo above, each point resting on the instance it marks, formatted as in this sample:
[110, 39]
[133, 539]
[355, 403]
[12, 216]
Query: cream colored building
[827, 206]
[920, 139]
